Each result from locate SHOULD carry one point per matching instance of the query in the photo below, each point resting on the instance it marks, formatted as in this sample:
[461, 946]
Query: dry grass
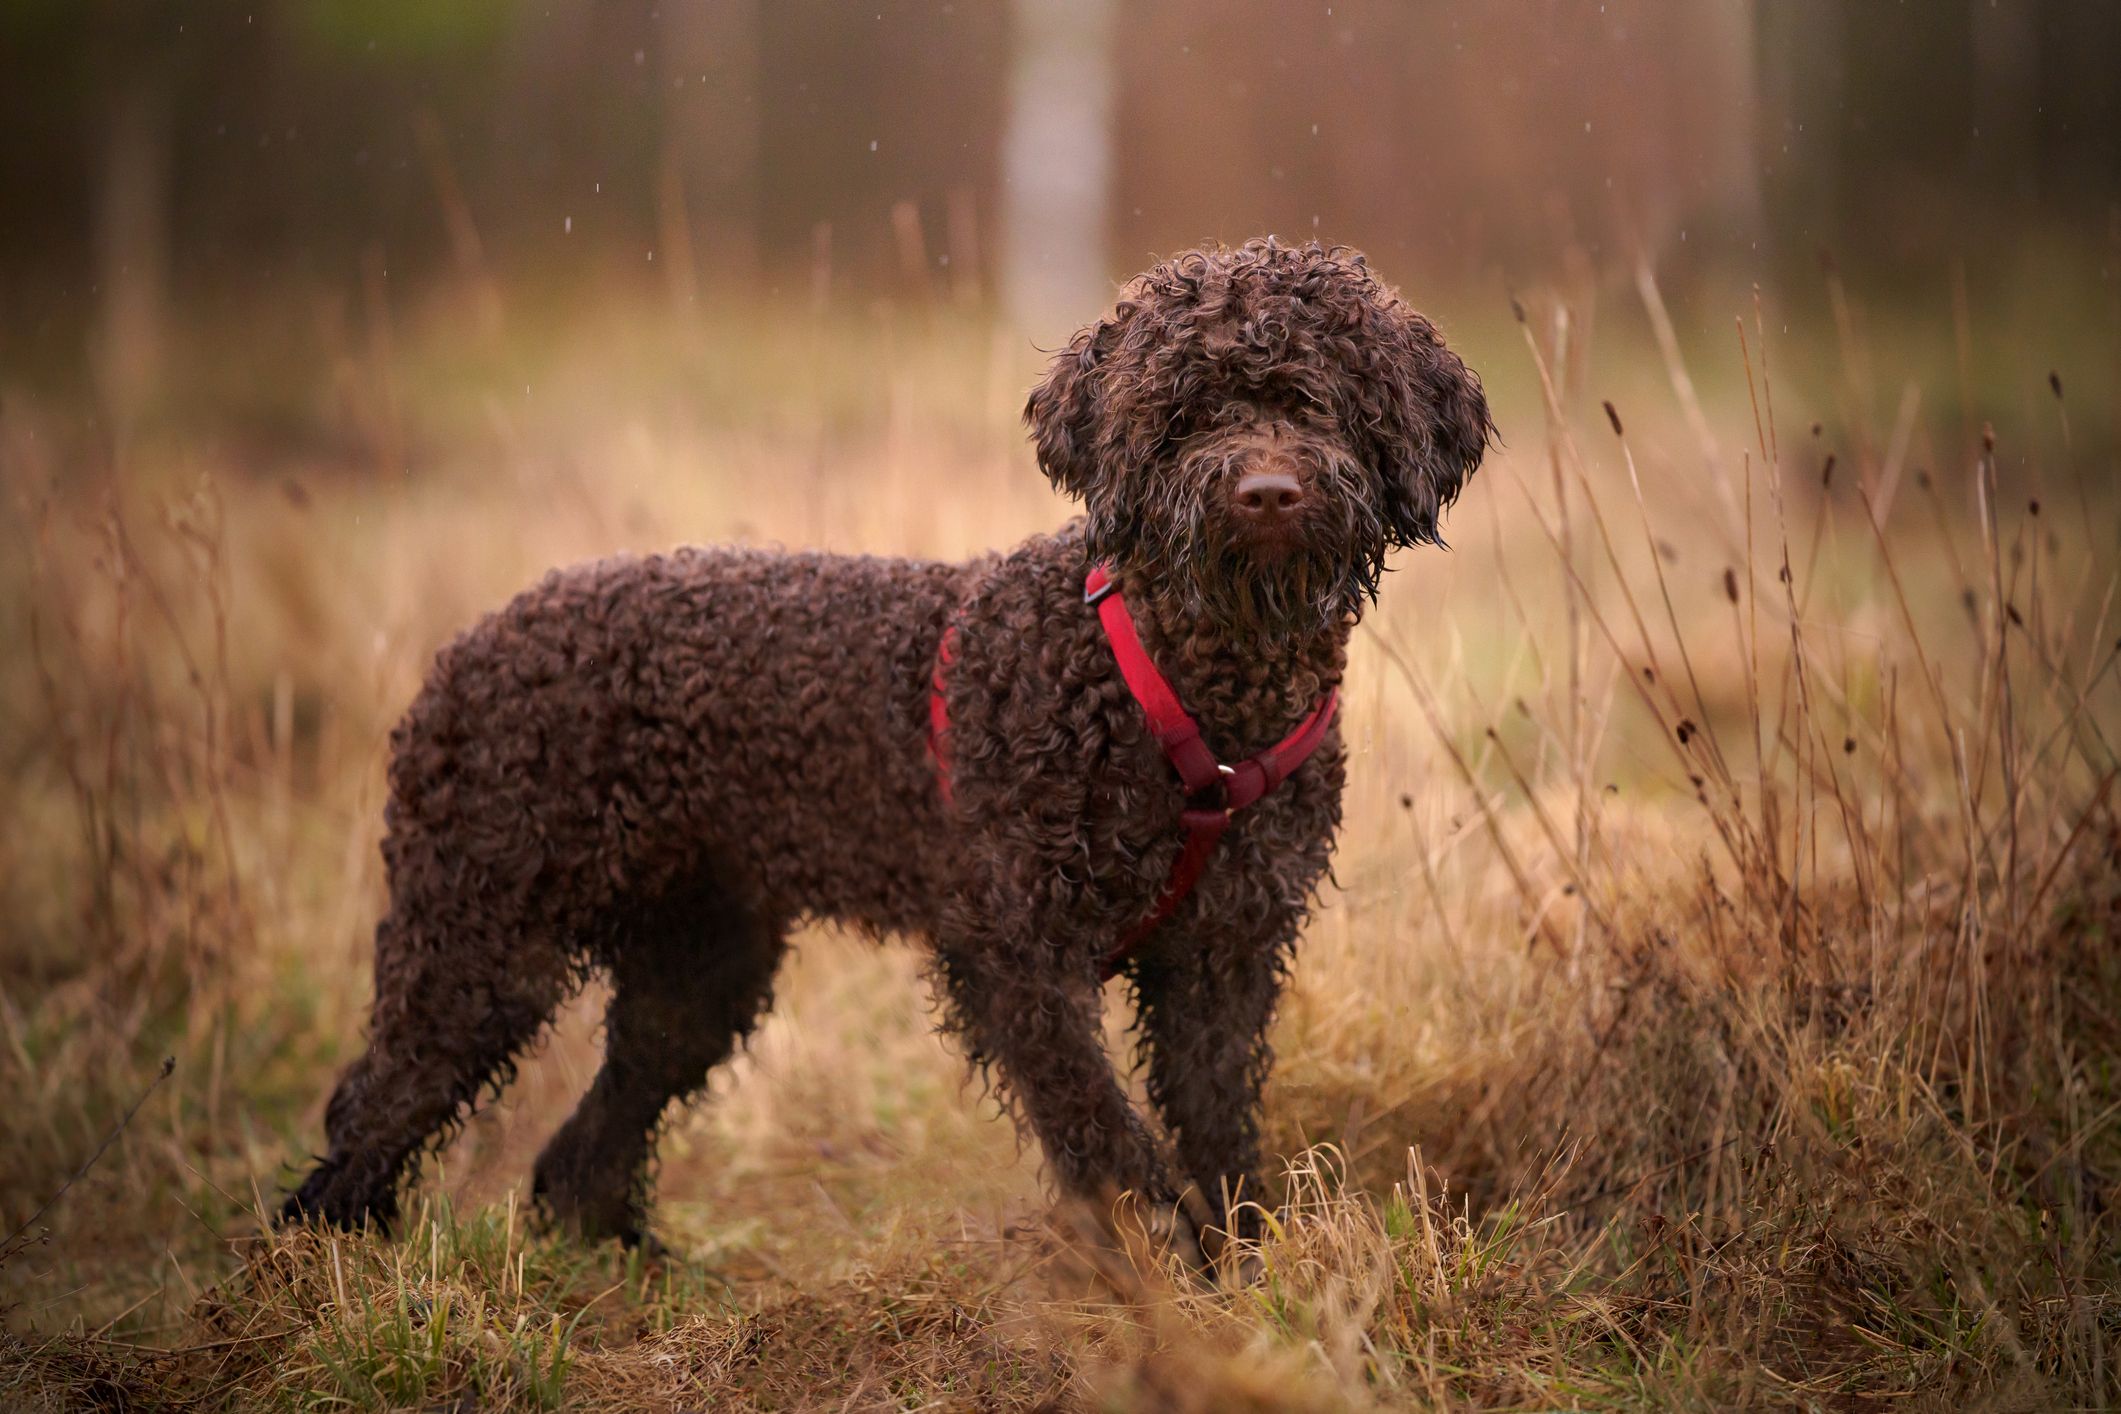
[1720, 1002]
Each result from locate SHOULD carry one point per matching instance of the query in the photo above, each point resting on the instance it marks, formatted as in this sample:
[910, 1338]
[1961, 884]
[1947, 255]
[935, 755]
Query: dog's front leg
[1031, 1018]
[1206, 999]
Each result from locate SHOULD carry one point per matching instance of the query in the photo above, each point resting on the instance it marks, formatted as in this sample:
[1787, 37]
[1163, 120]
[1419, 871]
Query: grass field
[1719, 1000]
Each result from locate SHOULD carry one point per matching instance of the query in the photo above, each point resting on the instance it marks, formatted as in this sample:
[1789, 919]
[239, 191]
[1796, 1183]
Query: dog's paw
[331, 1197]
[639, 1239]
[1172, 1232]
[1240, 1268]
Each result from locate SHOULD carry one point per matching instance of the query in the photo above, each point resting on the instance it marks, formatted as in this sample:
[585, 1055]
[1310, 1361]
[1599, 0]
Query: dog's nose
[1269, 494]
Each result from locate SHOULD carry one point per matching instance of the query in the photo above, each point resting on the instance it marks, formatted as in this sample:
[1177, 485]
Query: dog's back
[755, 713]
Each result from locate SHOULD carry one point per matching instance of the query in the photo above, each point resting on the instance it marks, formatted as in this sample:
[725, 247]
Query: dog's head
[1255, 428]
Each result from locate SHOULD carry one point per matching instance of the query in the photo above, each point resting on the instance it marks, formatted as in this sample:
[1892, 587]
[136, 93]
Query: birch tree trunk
[1057, 164]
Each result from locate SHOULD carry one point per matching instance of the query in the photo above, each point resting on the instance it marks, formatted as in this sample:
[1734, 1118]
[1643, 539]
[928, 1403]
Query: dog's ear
[1429, 416]
[1064, 409]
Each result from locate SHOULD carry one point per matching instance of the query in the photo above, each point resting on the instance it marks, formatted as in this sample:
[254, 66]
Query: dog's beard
[1215, 571]
[1297, 595]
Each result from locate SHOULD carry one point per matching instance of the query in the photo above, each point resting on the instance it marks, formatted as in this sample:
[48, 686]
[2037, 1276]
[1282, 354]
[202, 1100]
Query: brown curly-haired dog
[658, 767]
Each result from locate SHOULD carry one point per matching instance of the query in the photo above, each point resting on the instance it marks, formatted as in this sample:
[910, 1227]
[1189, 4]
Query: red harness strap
[939, 713]
[1213, 791]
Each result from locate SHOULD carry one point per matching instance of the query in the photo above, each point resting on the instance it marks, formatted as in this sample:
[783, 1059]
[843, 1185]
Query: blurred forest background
[162, 159]
[1717, 1001]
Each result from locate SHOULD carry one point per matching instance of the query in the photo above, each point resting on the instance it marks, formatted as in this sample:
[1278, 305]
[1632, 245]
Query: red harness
[1214, 792]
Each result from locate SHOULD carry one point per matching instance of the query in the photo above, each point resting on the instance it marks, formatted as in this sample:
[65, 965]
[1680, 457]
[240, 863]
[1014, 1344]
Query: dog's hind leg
[458, 995]
[690, 978]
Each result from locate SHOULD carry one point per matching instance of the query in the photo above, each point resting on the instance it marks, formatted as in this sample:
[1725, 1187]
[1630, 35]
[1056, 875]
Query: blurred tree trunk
[131, 221]
[1802, 94]
[1057, 160]
[707, 193]
[1729, 37]
[2080, 109]
[2005, 140]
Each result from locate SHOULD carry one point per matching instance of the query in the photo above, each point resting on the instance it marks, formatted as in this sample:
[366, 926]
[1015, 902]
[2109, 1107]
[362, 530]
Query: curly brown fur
[657, 767]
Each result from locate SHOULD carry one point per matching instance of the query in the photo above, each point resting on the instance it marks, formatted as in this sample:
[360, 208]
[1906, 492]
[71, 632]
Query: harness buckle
[1213, 797]
[1093, 596]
